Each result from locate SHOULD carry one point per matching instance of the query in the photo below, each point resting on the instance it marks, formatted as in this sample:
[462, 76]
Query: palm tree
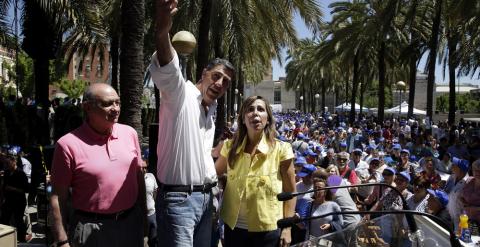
[432, 57]
[131, 60]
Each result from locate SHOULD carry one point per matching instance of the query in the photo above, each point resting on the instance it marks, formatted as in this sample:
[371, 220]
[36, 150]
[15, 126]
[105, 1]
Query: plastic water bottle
[465, 234]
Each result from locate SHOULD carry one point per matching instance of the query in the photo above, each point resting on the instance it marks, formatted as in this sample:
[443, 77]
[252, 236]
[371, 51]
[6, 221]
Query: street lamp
[184, 42]
[235, 102]
[400, 86]
[301, 102]
[317, 96]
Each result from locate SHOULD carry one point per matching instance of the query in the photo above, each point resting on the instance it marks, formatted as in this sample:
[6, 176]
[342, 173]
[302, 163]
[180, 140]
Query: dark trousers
[241, 237]
[17, 210]
[125, 231]
[152, 230]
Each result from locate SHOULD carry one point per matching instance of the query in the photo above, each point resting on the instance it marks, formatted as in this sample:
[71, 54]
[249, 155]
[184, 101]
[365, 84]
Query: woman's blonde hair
[241, 133]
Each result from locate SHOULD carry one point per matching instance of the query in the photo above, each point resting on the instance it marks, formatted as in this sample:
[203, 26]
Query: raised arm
[164, 11]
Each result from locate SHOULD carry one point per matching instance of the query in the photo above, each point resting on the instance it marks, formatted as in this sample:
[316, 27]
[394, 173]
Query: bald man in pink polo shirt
[100, 164]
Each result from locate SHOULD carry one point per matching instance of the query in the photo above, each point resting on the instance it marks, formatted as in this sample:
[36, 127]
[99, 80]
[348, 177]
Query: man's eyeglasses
[342, 159]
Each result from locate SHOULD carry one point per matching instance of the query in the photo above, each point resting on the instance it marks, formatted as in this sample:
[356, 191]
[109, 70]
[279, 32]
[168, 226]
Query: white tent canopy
[403, 110]
[346, 107]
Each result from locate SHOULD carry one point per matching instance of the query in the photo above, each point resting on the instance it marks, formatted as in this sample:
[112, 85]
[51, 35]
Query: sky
[303, 32]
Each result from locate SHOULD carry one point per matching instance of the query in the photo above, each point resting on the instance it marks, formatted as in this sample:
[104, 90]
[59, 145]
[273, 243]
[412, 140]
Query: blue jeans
[184, 219]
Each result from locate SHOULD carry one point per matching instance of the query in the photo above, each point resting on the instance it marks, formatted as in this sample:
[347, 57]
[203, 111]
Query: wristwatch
[61, 243]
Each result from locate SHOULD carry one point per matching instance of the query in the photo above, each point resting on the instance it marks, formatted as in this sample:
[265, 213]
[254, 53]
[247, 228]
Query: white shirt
[150, 188]
[27, 168]
[185, 131]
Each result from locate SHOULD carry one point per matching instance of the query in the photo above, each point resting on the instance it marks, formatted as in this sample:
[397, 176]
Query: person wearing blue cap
[299, 144]
[305, 173]
[454, 186]
[437, 204]
[299, 162]
[388, 175]
[392, 201]
[405, 164]
[311, 156]
[396, 148]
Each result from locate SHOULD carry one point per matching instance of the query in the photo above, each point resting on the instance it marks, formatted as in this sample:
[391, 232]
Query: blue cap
[343, 144]
[388, 160]
[397, 146]
[306, 170]
[390, 169]
[464, 165]
[300, 136]
[282, 138]
[145, 154]
[14, 150]
[311, 153]
[300, 160]
[319, 148]
[405, 151]
[440, 195]
[413, 158]
[358, 150]
[405, 175]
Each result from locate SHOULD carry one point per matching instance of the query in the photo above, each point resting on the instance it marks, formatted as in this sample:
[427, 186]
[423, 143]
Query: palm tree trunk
[203, 31]
[381, 82]
[131, 63]
[411, 83]
[452, 52]
[114, 45]
[362, 92]
[304, 100]
[42, 77]
[324, 93]
[432, 57]
[220, 120]
[354, 89]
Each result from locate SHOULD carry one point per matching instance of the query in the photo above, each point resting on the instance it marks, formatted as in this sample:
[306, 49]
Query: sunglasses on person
[342, 159]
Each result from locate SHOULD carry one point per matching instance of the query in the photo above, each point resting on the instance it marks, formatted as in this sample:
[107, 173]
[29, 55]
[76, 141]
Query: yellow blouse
[259, 178]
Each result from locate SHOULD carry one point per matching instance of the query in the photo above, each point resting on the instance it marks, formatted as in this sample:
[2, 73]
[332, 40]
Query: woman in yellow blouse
[258, 167]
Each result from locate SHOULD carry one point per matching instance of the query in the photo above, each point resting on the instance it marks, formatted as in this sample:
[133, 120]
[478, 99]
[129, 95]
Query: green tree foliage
[25, 76]
[465, 102]
[74, 89]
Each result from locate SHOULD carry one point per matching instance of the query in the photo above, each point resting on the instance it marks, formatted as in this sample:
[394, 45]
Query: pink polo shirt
[100, 170]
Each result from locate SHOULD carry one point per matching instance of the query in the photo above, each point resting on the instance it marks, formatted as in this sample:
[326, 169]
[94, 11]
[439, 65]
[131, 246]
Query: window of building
[277, 96]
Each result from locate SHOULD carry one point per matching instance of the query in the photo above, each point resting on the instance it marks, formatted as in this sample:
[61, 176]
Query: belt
[99, 216]
[204, 188]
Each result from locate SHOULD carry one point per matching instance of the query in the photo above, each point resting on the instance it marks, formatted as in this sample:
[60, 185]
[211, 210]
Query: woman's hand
[325, 227]
[285, 237]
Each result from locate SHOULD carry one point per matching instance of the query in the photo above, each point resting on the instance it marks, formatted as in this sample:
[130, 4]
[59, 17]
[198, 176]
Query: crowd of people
[433, 166]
